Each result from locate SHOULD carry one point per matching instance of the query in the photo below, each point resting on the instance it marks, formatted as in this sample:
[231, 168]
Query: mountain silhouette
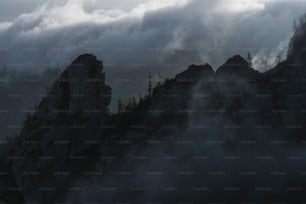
[235, 112]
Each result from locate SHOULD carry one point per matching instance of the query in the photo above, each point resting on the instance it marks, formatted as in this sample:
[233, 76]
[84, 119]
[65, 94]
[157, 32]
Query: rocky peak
[87, 88]
[80, 88]
[237, 60]
[86, 59]
[236, 66]
[195, 72]
[86, 66]
[195, 67]
[67, 124]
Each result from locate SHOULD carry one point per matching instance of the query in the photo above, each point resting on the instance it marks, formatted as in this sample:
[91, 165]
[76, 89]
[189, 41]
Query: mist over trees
[299, 25]
[297, 44]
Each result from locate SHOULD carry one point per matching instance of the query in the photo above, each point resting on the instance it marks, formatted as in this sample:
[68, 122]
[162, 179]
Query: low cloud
[153, 32]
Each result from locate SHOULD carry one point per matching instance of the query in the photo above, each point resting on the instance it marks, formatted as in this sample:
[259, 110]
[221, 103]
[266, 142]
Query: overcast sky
[180, 31]
[137, 37]
[10, 9]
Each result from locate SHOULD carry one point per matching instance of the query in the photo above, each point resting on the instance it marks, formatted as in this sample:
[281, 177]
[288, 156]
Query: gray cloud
[13, 8]
[195, 30]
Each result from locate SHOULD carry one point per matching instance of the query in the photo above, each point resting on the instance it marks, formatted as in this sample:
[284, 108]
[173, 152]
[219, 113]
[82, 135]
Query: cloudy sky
[138, 37]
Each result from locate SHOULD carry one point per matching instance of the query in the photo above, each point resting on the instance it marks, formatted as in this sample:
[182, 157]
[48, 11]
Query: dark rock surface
[237, 66]
[58, 139]
[174, 96]
[194, 73]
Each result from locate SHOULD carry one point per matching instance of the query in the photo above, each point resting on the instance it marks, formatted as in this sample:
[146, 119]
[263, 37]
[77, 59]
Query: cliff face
[174, 96]
[251, 104]
[59, 138]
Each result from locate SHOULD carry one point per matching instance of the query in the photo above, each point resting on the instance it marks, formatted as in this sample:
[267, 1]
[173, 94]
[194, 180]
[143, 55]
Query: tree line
[128, 104]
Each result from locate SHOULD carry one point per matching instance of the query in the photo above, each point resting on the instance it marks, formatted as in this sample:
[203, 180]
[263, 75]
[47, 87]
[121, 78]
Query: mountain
[199, 129]
[60, 134]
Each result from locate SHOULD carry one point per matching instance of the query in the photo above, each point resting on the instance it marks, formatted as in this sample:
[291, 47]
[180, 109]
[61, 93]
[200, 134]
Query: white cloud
[5, 25]
[237, 6]
[266, 59]
[73, 12]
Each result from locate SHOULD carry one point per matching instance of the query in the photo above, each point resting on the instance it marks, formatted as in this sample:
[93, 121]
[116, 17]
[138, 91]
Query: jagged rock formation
[236, 66]
[173, 97]
[195, 73]
[246, 99]
[71, 130]
[57, 141]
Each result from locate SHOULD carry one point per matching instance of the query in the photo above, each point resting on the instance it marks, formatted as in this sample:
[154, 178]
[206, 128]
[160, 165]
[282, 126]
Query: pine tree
[120, 105]
[150, 86]
[301, 21]
[295, 26]
[249, 58]
[160, 80]
[130, 104]
[133, 102]
[140, 98]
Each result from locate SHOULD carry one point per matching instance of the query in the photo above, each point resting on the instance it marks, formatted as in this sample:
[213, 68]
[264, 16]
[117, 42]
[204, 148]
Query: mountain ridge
[72, 136]
[77, 108]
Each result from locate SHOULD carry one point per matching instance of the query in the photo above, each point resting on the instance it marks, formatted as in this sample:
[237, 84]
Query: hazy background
[133, 38]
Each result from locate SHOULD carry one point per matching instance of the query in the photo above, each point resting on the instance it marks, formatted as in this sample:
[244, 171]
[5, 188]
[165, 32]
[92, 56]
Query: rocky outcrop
[238, 95]
[174, 95]
[228, 87]
[194, 73]
[58, 140]
[236, 66]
